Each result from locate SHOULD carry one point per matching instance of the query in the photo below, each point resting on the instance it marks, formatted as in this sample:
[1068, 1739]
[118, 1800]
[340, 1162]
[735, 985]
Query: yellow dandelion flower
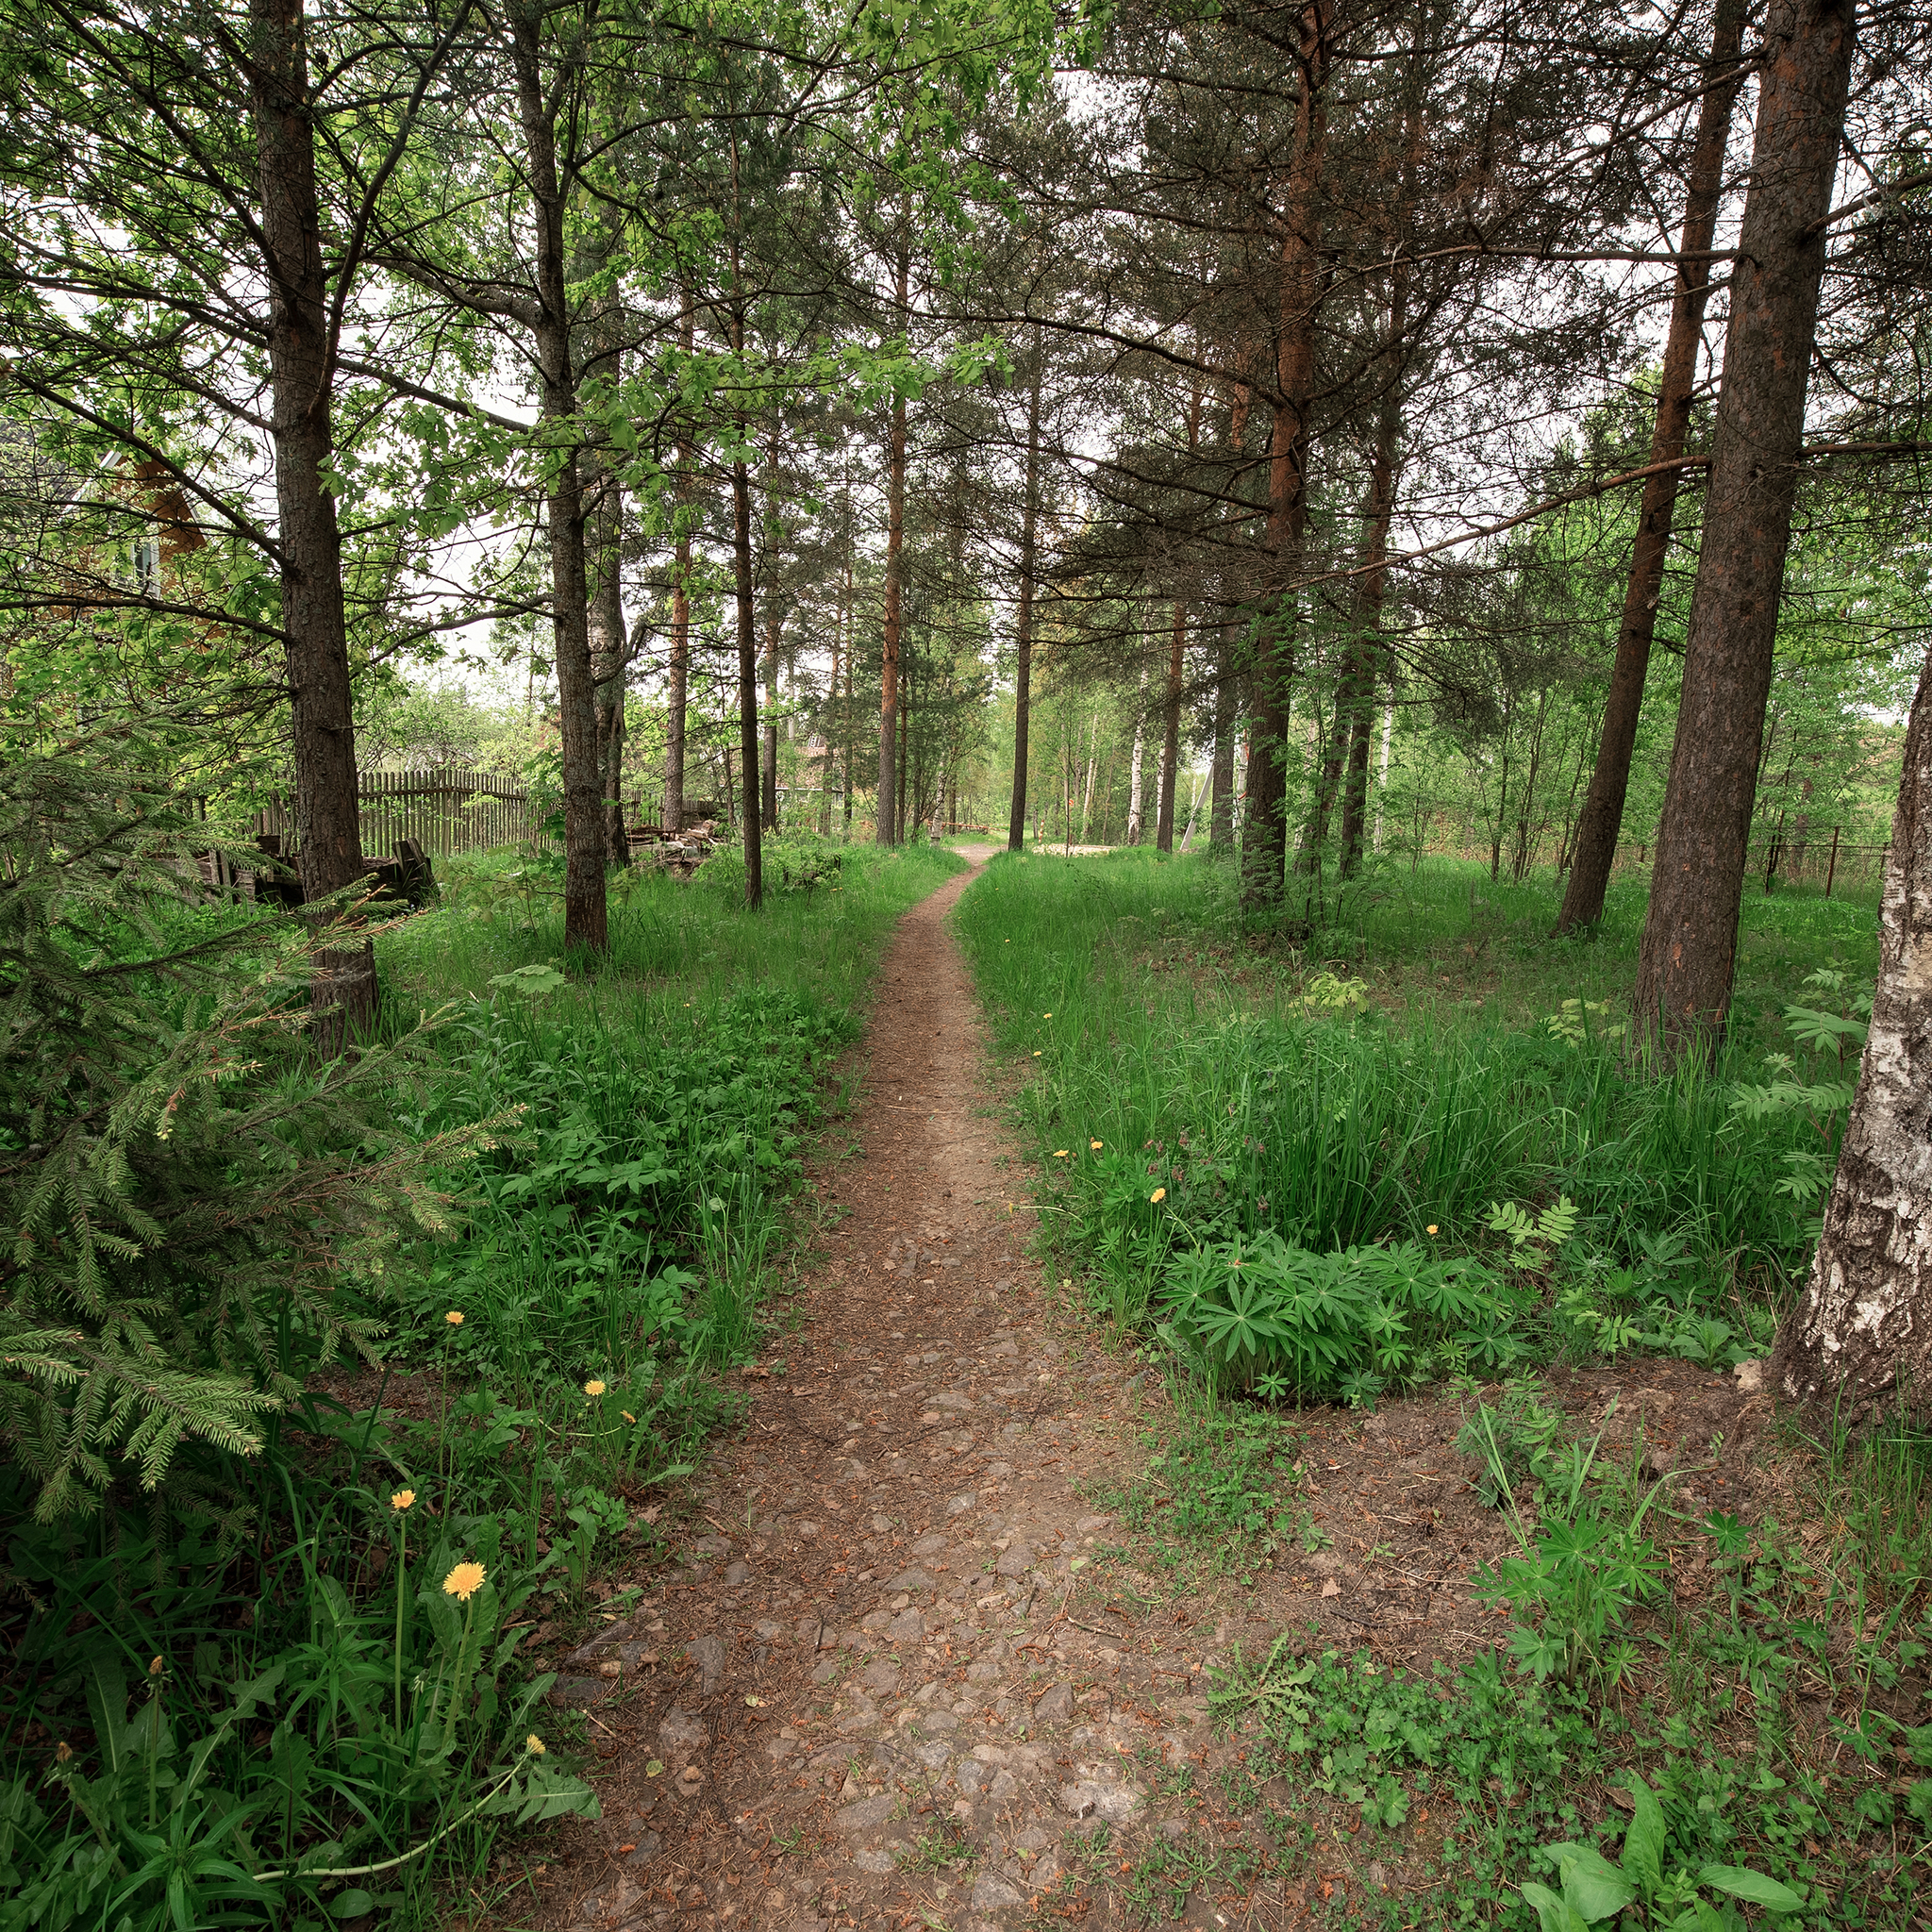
[1096, 1145]
[626, 1415]
[155, 1669]
[463, 1582]
[454, 1317]
[593, 1387]
[1062, 1153]
[1432, 1227]
[1046, 1016]
[1158, 1194]
[62, 1752]
[535, 1746]
[1036, 1053]
[402, 1499]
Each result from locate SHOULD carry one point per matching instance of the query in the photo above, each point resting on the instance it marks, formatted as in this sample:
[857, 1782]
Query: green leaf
[351, 1904]
[1754, 1887]
[1551, 1912]
[1593, 1888]
[1644, 1843]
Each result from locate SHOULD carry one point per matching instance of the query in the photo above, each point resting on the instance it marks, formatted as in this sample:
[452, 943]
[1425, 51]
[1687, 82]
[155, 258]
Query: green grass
[664, 1101]
[1383, 1085]
[1340, 1095]
[246, 1673]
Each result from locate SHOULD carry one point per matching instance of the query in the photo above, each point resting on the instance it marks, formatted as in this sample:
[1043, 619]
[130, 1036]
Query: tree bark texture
[1864, 1327]
[887, 830]
[1685, 965]
[1134, 786]
[1367, 654]
[1221, 803]
[584, 912]
[677, 671]
[767, 774]
[747, 682]
[1596, 844]
[1171, 736]
[609, 638]
[1264, 842]
[1022, 621]
[327, 815]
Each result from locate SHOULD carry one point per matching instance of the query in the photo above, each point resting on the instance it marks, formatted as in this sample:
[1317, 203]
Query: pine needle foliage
[183, 1182]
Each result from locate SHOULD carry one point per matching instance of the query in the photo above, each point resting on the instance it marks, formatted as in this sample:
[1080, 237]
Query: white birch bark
[1863, 1329]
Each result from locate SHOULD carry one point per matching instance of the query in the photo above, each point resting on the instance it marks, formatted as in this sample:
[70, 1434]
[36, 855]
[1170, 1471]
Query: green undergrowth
[1296, 1165]
[1213, 1491]
[293, 1684]
[1467, 1782]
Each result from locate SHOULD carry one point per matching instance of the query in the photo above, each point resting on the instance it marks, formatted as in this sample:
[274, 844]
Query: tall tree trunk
[584, 916]
[1171, 736]
[1685, 965]
[1092, 766]
[851, 722]
[742, 573]
[850, 774]
[905, 751]
[1023, 622]
[1264, 844]
[609, 638]
[1134, 825]
[775, 623]
[1382, 785]
[1366, 653]
[891, 765]
[678, 697]
[747, 682]
[609, 647]
[841, 616]
[1221, 805]
[1596, 844]
[327, 820]
[1864, 1327]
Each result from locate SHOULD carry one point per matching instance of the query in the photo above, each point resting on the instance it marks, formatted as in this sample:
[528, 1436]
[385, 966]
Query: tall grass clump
[1197, 1090]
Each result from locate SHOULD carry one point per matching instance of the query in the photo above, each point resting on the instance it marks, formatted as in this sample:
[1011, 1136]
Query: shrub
[184, 1185]
[1284, 1320]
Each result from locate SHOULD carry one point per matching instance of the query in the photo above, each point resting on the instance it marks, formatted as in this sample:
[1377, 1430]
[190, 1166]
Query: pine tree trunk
[1134, 825]
[769, 775]
[1264, 842]
[609, 641]
[1367, 651]
[584, 912]
[1023, 622]
[1864, 1327]
[1685, 963]
[1221, 807]
[890, 764]
[747, 682]
[1595, 848]
[329, 831]
[677, 675]
[839, 616]
[1170, 737]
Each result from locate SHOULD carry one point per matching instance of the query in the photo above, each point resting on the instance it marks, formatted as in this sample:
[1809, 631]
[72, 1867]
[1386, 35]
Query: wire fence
[446, 811]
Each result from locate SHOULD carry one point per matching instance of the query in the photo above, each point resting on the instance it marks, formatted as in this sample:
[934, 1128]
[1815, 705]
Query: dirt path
[880, 1692]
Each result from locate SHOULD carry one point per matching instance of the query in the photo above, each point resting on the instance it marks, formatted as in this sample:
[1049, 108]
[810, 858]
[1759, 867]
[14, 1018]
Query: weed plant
[1192, 1096]
[287, 1686]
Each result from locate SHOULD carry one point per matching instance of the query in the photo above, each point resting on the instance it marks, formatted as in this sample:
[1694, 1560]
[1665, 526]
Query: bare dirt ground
[906, 1672]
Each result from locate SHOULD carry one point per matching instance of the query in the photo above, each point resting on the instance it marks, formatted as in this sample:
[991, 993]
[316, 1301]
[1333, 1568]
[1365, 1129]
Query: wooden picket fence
[448, 810]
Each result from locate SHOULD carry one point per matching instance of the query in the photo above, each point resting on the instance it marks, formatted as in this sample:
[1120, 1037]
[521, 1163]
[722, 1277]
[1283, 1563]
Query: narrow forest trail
[878, 1690]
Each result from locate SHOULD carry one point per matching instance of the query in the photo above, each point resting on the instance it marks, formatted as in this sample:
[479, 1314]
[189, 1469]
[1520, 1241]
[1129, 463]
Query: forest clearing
[964, 965]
